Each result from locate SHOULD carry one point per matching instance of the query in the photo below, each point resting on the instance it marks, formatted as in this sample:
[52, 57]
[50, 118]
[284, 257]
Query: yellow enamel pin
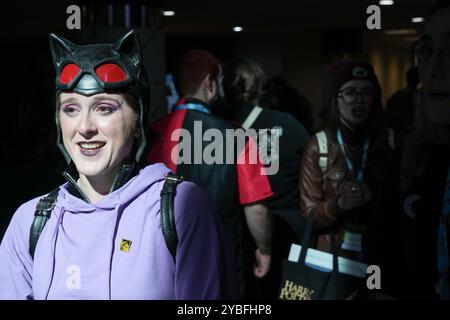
[125, 245]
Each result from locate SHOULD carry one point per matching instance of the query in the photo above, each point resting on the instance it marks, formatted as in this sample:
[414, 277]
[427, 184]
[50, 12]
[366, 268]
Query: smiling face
[434, 65]
[354, 100]
[97, 131]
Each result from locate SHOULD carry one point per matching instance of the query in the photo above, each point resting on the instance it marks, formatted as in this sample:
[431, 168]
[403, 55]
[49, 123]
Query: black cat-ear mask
[95, 68]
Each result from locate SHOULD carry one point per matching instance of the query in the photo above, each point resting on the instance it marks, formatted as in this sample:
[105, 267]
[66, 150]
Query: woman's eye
[105, 109]
[69, 110]
[350, 93]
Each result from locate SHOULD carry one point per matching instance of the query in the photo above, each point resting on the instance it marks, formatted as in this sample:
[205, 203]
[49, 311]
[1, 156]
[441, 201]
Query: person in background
[278, 95]
[346, 169]
[404, 105]
[426, 199]
[286, 140]
[237, 188]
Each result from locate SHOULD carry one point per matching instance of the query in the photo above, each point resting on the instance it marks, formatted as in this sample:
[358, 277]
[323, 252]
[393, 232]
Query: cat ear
[129, 44]
[60, 47]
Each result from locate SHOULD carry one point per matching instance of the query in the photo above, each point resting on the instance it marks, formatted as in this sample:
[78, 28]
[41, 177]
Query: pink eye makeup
[107, 106]
[69, 108]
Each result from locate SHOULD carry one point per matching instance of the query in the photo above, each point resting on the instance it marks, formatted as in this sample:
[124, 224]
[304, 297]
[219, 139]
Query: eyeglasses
[350, 94]
[422, 50]
[109, 75]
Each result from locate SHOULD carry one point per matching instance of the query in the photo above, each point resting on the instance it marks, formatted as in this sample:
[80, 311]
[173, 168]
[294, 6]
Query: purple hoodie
[79, 254]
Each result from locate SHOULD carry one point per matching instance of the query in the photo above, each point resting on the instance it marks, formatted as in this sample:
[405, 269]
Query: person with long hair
[345, 168]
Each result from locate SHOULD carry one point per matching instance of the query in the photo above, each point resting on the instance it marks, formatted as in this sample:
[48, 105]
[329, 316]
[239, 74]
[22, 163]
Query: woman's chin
[355, 123]
[88, 170]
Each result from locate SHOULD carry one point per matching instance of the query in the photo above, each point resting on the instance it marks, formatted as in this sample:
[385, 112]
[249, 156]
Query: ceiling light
[238, 29]
[168, 13]
[417, 19]
[386, 2]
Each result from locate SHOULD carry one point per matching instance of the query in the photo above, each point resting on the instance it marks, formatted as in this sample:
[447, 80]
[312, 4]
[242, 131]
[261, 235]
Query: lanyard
[192, 106]
[359, 176]
[442, 250]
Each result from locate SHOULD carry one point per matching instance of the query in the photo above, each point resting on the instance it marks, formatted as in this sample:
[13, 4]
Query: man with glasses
[427, 201]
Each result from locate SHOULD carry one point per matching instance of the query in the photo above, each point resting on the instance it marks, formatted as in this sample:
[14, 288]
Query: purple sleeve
[204, 268]
[16, 264]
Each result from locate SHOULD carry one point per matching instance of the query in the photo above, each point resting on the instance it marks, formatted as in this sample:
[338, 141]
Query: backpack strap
[43, 212]
[46, 204]
[323, 150]
[251, 118]
[168, 193]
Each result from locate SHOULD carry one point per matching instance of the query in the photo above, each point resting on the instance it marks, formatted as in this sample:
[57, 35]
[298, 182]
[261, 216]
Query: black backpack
[46, 204]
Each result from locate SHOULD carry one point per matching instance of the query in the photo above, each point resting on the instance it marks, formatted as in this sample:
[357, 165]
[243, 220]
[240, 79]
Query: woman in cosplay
[345, 171]
[104, 233]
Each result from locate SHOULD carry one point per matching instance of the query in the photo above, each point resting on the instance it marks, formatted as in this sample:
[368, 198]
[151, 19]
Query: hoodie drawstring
[54, 240]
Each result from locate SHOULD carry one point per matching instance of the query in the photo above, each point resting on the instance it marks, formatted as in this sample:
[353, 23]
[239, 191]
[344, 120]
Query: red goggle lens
[110, 73]
[68, 73]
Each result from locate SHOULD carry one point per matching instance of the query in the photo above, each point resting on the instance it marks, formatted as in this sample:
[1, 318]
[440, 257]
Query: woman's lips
[91, 149]
[358, 112]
